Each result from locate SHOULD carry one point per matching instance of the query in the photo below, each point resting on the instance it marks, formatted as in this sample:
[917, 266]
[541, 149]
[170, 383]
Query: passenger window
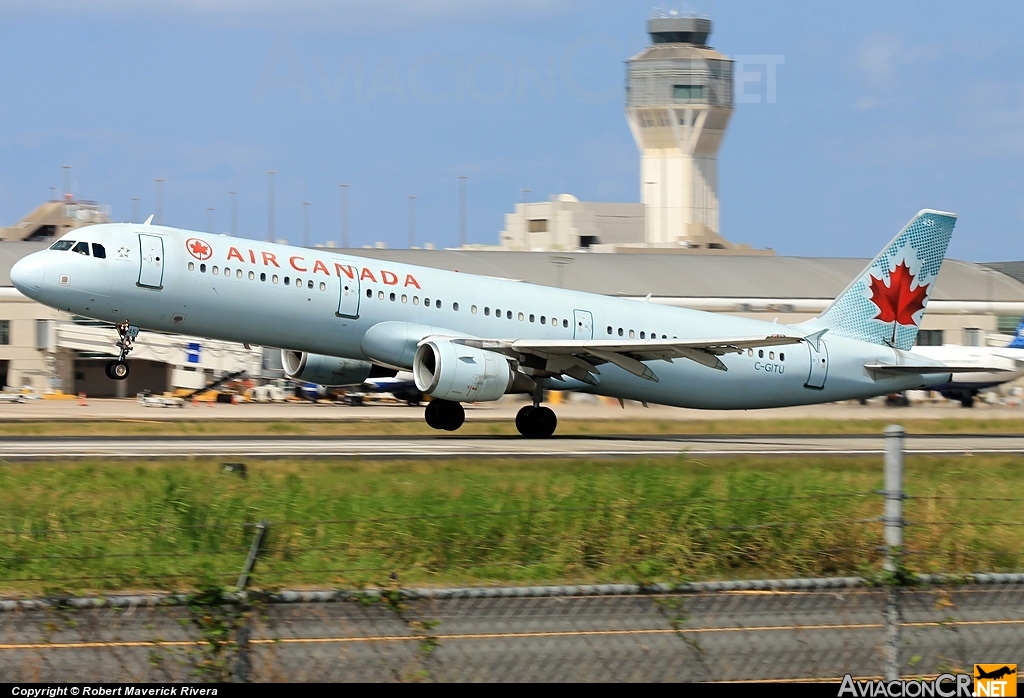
[631, 334]
[263, 276]
[782, 357]
[426, 302]
[392, 297]
[287, 281]
[82, 248]
[760, 353]
[405, 298]
[521, 317]
[508, 314]
[227, 271]
[252, 276]
[214, 270]
[455, 307]
[323, 287]
[473, 310]
[191, 266]
[202, 268]
[642, 336]
[565, 323]
[415, 300]
[437, 304]
[487, 311]
[275, 278]
[380, 295]
[98, 251]
[309, 284]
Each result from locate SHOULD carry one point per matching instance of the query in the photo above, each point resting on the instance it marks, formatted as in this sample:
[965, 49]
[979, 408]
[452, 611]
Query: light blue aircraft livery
[339, 319]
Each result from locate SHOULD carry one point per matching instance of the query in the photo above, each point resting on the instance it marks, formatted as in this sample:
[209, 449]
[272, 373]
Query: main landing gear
[536, 421]
[533, 421]
[445, 415]
[118, 368]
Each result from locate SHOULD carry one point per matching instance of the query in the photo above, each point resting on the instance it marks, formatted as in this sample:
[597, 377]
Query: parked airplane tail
[1018, 340]
[885, 303]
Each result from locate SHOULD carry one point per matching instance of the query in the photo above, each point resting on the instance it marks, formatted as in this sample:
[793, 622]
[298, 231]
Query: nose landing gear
[118, 368]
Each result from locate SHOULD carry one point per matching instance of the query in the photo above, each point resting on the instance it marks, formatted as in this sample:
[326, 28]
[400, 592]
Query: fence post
[893, 564]
[244, 664]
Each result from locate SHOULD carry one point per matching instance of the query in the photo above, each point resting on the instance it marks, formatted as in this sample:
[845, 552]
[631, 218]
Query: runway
[449, 446]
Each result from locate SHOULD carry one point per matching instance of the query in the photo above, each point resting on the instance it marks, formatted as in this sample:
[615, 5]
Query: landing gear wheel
[967, 401]
[536, 422]
[432, 414]
[118, 370]
[444, 414]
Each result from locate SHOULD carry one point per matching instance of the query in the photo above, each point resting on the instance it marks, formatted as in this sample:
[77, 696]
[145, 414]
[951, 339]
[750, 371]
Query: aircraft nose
[27, 275]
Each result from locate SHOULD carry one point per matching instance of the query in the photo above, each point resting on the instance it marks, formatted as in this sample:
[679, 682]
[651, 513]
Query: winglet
[885, 303]
[149, 220]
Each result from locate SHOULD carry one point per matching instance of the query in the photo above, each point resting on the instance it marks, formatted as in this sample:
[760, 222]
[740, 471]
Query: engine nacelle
[324, 370]
[459, 373]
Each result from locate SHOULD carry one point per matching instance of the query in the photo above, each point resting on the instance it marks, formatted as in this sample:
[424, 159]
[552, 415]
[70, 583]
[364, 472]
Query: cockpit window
[62, 245]
[81, 248]
[98, 252]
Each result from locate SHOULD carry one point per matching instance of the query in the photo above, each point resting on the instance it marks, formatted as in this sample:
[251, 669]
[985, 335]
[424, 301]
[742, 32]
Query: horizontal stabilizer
[904, 369]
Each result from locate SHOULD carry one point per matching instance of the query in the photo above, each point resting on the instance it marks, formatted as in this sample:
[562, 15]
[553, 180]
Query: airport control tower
[678, 101]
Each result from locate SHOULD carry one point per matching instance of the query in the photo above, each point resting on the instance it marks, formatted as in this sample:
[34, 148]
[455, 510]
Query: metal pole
[412, 221]
[893, 525]
[305, 224]
[234, 213]
[209, 219]
[67, 179]
[135, 209]
[462, 210]
[159, 201]
[270, 205]
[344, 214]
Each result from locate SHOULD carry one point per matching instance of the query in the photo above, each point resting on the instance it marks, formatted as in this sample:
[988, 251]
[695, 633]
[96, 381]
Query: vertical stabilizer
[885, 303]
[1018, 340]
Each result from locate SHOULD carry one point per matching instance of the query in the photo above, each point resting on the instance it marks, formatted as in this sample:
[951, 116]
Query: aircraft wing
[579, 358]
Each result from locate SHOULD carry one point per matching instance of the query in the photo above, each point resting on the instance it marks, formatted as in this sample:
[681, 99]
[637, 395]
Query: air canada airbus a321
[340, 319]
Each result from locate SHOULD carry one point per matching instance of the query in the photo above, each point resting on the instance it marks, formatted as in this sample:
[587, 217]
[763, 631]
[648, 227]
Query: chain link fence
[879, 621]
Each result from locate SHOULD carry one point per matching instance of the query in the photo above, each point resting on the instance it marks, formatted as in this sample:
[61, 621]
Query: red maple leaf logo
[897, 302]
[198, 249]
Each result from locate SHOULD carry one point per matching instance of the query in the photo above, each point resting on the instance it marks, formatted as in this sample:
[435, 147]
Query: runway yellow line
[497, 636]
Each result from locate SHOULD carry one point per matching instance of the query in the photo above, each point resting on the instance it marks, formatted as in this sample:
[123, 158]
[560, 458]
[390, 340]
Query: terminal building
[667, 248]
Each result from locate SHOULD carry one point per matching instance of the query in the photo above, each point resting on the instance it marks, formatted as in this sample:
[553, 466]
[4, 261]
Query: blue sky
[877, 110]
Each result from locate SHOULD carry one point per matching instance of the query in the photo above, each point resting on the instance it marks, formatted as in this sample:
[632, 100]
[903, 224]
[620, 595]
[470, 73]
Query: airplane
[469, 338]
[995, 674]
[995, 366]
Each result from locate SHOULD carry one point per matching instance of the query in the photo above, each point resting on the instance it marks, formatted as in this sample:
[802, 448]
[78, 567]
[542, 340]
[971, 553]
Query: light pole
[462, 210]
[270, 205]
[522, 194]
[53, 193]
[305, 223]
[159, 201]
[412, 221]
[67, 179]
[209, 218]
[135, 209]
[344, 214]
[234, 213]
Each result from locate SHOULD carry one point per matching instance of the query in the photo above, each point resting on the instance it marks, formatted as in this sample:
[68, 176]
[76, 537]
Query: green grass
[93, 526]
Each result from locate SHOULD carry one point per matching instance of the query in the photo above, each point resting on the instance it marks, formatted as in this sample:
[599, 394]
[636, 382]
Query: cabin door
[584, 327]
[151, 264]
[348, 304]
[819, 365]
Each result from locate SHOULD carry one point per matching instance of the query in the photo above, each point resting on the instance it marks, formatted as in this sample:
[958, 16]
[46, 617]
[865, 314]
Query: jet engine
[328, 370]
[458, 373]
